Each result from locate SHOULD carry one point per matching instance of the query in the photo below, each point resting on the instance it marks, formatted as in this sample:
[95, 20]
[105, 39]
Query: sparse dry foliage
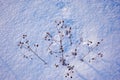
[64, 32]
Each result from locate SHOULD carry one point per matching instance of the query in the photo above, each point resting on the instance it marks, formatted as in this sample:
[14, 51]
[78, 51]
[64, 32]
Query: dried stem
[37, 55]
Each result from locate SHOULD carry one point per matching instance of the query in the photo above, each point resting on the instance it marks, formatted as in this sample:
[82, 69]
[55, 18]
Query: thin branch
[37, 55]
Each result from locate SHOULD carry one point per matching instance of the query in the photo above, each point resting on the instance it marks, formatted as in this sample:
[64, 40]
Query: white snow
[92, 20]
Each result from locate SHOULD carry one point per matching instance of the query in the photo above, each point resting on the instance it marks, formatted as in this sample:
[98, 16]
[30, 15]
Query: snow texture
[90, 20]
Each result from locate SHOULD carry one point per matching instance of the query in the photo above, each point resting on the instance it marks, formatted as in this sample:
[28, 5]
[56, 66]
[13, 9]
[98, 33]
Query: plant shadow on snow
[61, 46]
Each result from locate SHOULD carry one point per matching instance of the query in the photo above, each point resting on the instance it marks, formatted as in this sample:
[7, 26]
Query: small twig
[38, 56]
[26, 46]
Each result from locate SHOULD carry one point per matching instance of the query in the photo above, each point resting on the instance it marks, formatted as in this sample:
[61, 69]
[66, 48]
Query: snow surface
[89, 19]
